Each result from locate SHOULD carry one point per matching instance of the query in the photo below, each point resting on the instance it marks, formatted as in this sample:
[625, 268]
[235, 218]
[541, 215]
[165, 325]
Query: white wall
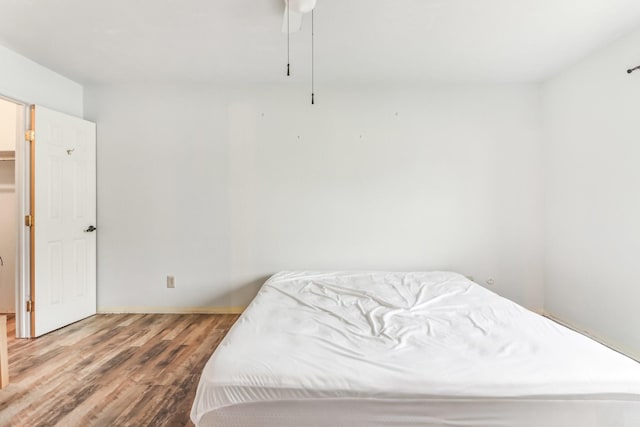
[8, 206]
[224, 187]
[28, 82]
[592, 115]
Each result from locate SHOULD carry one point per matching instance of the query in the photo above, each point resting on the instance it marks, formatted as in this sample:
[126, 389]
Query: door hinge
[30, 306]
[30, 135]
[28, 221]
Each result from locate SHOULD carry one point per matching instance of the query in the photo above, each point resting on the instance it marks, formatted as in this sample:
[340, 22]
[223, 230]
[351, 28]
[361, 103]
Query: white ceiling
[224, 41]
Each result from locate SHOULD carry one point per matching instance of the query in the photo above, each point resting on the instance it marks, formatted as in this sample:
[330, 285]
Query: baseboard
[607, 343]
[170, 310]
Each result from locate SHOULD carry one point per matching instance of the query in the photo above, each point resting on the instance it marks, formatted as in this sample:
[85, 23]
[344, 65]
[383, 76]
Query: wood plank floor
[110, 370]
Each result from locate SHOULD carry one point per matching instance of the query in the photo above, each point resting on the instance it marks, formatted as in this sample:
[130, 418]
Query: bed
[407, 349]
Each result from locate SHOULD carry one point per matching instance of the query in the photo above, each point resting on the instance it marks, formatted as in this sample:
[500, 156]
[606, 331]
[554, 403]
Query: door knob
[90, 229]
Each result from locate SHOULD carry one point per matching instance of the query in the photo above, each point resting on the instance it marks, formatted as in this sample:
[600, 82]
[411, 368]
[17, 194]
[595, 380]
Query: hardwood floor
[110, 370]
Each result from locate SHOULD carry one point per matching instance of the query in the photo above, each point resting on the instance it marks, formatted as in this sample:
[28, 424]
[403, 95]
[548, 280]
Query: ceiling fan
[293, 11]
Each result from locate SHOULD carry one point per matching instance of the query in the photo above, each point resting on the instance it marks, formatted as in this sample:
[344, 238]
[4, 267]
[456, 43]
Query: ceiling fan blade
[295, 21]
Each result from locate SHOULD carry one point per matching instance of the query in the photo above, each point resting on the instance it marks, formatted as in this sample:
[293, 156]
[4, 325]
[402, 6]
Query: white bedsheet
[435, 349]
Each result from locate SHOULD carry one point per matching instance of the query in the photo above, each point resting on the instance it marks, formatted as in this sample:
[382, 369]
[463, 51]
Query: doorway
[47, 240]
[14, 242]
[8, 206]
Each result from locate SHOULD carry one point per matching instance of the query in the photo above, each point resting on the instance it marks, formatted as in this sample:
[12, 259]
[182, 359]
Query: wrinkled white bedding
[427, 341]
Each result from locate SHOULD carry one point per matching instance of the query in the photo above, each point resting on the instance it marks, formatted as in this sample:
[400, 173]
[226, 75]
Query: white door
[63, 288]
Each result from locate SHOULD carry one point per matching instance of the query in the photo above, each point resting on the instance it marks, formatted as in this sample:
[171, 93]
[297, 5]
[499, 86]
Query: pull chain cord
[312, 62]
[631, 70]
[288, 37]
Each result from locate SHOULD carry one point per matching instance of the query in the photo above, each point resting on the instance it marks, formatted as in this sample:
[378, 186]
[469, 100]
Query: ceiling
[239, 41]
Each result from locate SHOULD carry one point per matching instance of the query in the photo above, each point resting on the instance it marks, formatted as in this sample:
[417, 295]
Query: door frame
[22, 189]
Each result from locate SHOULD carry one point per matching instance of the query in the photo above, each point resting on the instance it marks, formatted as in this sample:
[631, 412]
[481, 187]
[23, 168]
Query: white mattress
[404, 349]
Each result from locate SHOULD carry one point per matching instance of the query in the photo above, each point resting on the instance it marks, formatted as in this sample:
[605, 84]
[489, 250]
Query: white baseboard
[615, 347]
[170, 310]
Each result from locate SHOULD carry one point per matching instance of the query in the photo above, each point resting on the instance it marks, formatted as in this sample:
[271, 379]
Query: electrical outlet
[171, 282]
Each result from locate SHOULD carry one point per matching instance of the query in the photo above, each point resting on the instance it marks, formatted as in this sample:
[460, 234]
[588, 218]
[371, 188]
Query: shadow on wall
[240, 296]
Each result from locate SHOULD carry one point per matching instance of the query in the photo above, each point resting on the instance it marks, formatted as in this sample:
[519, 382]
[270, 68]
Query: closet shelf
[7, 156]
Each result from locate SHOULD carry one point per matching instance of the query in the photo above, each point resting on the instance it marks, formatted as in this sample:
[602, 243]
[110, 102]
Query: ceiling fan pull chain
[288, 37]
[312, 61]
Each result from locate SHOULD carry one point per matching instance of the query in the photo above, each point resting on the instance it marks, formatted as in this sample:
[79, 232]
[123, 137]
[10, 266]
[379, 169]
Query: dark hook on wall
[631, 70]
